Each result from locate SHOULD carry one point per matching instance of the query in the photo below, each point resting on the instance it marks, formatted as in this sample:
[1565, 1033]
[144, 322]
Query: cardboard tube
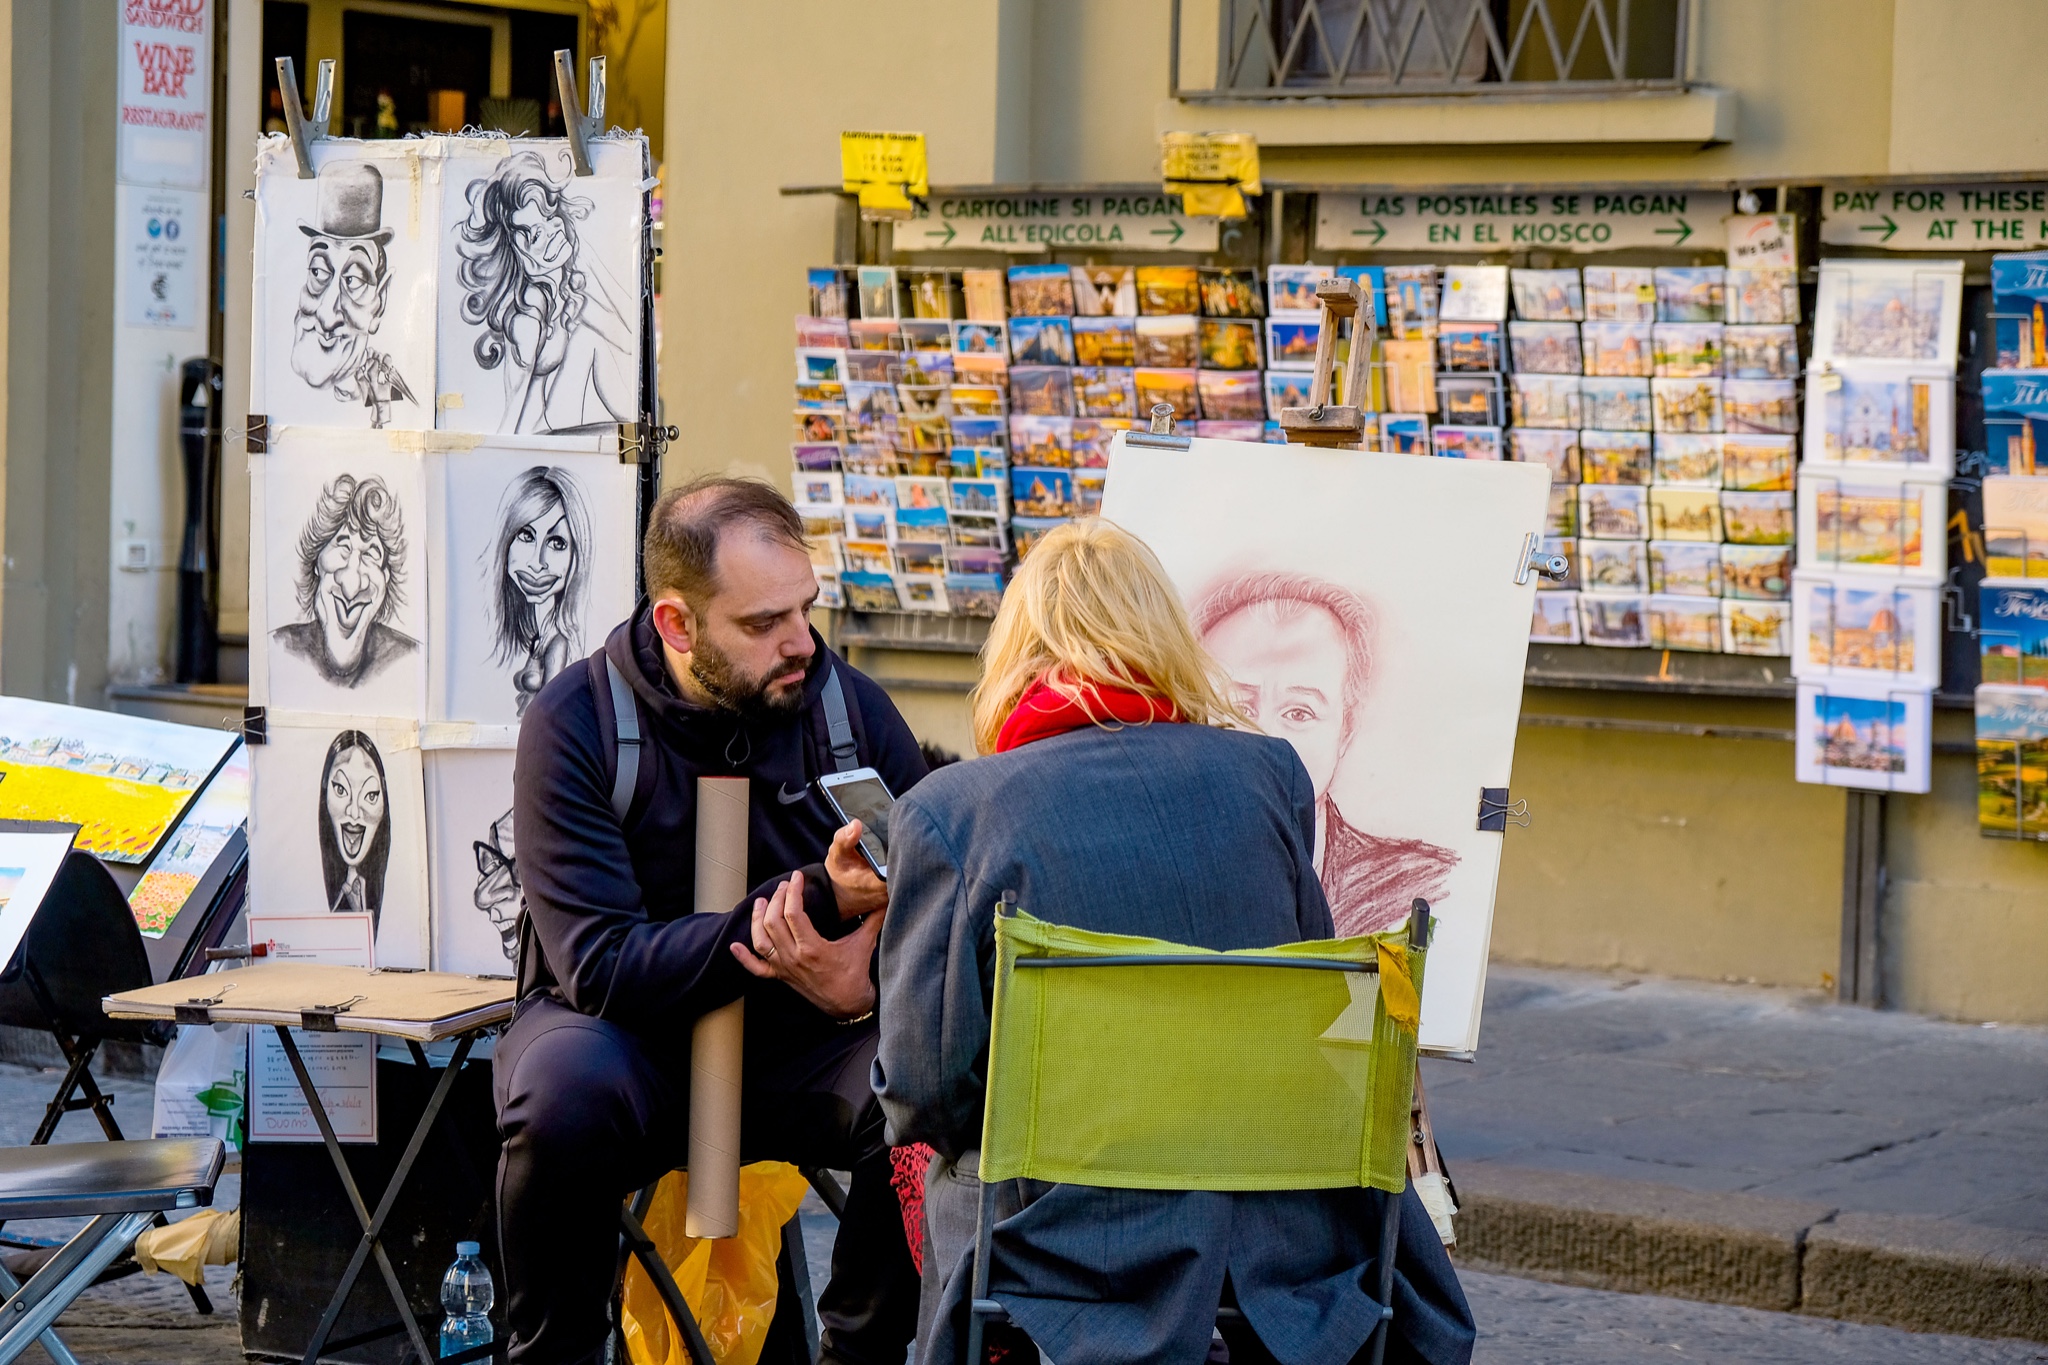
[718, 1039]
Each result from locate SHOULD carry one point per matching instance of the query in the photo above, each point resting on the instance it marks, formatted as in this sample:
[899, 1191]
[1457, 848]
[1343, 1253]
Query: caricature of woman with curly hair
[563, 344]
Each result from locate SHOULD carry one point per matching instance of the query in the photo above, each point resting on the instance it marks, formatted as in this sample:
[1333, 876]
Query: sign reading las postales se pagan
[1493, 220]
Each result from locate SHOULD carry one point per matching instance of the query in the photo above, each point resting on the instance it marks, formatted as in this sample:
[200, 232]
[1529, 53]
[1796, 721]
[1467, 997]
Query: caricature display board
[1366, 608]
[447, 334]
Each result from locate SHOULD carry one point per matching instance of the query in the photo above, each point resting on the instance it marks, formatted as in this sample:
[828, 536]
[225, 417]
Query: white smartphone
[860, 794]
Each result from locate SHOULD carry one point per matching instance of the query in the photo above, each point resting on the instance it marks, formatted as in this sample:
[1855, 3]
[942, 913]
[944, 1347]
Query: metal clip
[306, 131]
[1534, 560]
[1160, 436]
[582, 127]
[640, 444]
[1496, 813]
[255, 725]
[259, 422]
[199, 1009]
[320, 1018]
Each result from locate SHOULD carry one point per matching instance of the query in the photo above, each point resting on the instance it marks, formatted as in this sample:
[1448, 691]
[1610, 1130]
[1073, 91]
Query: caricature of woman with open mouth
[537, 578]
[355, 829]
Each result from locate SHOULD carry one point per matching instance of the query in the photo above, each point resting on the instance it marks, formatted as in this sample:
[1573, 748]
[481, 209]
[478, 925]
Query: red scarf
[1043, 711]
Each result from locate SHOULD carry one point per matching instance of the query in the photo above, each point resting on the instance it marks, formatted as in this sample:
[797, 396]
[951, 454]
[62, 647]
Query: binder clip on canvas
[306, 131]
[1497, 812]
[1160, 436]
[1323, 422]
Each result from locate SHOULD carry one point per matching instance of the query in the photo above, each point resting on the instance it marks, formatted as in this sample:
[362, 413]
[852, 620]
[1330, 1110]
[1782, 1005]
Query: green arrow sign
[1375, 227]
[1178, 232]
[1885, 225]
[1682, 231]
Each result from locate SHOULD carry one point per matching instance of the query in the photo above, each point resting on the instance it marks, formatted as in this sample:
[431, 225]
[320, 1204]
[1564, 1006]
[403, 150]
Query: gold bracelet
[857, 1019]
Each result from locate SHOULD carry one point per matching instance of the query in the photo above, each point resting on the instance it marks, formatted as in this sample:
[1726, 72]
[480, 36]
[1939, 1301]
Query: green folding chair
[1164, 1067]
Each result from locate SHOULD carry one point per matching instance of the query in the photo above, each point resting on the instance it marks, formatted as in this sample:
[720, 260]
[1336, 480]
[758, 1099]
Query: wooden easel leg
[1426, 1168]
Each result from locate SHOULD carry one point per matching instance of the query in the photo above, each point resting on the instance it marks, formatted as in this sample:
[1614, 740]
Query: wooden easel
[1323, 423]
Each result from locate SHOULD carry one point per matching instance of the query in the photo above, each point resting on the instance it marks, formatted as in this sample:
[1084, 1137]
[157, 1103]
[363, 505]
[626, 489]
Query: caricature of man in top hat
[348, 279]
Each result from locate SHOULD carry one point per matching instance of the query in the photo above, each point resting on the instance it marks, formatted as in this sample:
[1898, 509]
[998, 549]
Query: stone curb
[1922, 1274]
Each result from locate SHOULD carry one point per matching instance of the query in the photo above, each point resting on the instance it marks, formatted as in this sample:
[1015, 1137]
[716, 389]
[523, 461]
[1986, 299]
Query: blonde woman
[1120, 791]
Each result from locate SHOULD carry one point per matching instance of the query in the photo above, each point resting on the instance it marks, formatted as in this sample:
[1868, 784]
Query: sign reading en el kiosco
[1476, 220]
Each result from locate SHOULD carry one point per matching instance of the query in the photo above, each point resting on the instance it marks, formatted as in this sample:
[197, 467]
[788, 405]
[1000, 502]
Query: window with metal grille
[1293, 48]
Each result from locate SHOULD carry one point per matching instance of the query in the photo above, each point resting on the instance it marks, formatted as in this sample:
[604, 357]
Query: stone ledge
[1928, 1275]
[1698, 117]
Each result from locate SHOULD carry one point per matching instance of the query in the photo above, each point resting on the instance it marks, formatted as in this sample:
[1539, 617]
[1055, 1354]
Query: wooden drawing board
[424, 1006]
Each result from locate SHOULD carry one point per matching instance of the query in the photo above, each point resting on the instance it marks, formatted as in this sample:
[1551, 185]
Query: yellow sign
[885, 169]
[1211, 172]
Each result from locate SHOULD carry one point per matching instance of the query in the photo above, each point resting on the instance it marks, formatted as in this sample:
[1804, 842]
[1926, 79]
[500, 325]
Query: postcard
[1892, 526]
[1231, 293]
[880, 292]
[1568, 547]
[820, 427]
[927, 334]
[1614, 511]
[1174, 387]
[1541, 400]
[1169, 289]
[980, 368]
[1856, 628]
[921, 556]
[1041, 291]
[1042, 441]
[1757, 518]
[933, 293]
[1686, 350]
[821, 526]
[1685, 514]
[832, 291]
[974, 594]
[1466, 443]
[825, 333]
[873, 367]
[1474, 293]
[1879, 415]
[1751, 627]
[1767, 296]
[971, 559]
[979, 431]
[1041, 341]
[1548, 295]
[2015, 419]
[1693, 459]
[1556, 619]
[1399, 434]
[1691, 293]
[821, 396]
[922, 592]
[2012, 634]
[918, 494]
[986, 294]
[1760, 352]
[1686, 404]
[1558, 449]
[1615, 404]
[1766, 406]
[868, 556]
[831, 595]
[924, 400]
[1758, 572]
[1028, 531]
[1228, 343]
[1475, 400]
[1758, 463]
[1615, 457]
[1092, 436]
[1614, 620]
[875, 334]
[1873, 735]
[2015, 526]
[869, 591]
[870, 523]
[1410, 376]
[1292, 288]
[1613, 565]
[814, 456]
[1412, 301]
[1562, 516]
[1688, 623]
[870, 490]
[1088, 485]
[972, 462]
[879, 461]
[1291, 343]
[1888, 310]
[927, 367]
[865, 400]
[1372, 284]
[1105, 341]
[1103, 291]
[1231, 430]
[1546, 347]
[1042, 390]
[1229, 395]
[2012, 762]
[979, 400]
[815, 492]
[988, 496]
[1173, 341]
[981, 338]
[972, 531]
[1685, 568]
[1104, 391]
[1619, 349]
[2019, 311]
[1470, 347]
[1620, 294]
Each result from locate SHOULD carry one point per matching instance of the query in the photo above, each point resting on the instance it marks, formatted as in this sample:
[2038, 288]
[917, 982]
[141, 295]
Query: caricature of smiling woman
[355, 831]
[538, 564]
[563, 344]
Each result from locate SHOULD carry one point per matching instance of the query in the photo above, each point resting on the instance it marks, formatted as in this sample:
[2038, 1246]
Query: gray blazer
[1182, 832]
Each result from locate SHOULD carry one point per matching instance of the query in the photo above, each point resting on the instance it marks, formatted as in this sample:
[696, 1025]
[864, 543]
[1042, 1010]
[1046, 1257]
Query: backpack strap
[838, 727]
[626, 730]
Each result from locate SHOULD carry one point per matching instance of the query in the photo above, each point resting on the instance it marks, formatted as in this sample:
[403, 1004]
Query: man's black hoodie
[610, 909]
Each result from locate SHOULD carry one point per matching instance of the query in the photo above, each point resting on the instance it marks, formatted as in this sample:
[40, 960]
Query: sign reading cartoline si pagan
[1140, 221]
[1502, 220]
[165, 89]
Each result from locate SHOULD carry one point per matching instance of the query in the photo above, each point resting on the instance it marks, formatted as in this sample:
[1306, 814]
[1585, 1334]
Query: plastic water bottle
[466, 1296]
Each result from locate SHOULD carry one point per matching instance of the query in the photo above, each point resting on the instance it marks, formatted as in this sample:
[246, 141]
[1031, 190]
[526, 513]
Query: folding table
[418, 1007]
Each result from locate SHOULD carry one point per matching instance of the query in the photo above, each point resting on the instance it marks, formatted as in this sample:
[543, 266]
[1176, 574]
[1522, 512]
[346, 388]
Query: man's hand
[831, 974]
[855, 886]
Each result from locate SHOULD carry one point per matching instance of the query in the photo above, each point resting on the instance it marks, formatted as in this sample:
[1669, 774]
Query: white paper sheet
[475, 884]
[28, 864]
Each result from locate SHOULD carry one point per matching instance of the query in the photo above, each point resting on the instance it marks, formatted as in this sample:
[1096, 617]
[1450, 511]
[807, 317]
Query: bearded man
[723, 676]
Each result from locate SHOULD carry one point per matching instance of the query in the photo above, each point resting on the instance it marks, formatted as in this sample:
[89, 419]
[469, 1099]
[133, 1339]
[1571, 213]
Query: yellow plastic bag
[185, 1248]
[728, 1283]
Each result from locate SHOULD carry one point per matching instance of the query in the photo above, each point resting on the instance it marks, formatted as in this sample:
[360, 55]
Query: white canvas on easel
[29, 862]
[1367, 608]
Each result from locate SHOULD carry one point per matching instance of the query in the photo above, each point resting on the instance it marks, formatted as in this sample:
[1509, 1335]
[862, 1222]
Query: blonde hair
[1091, 604]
